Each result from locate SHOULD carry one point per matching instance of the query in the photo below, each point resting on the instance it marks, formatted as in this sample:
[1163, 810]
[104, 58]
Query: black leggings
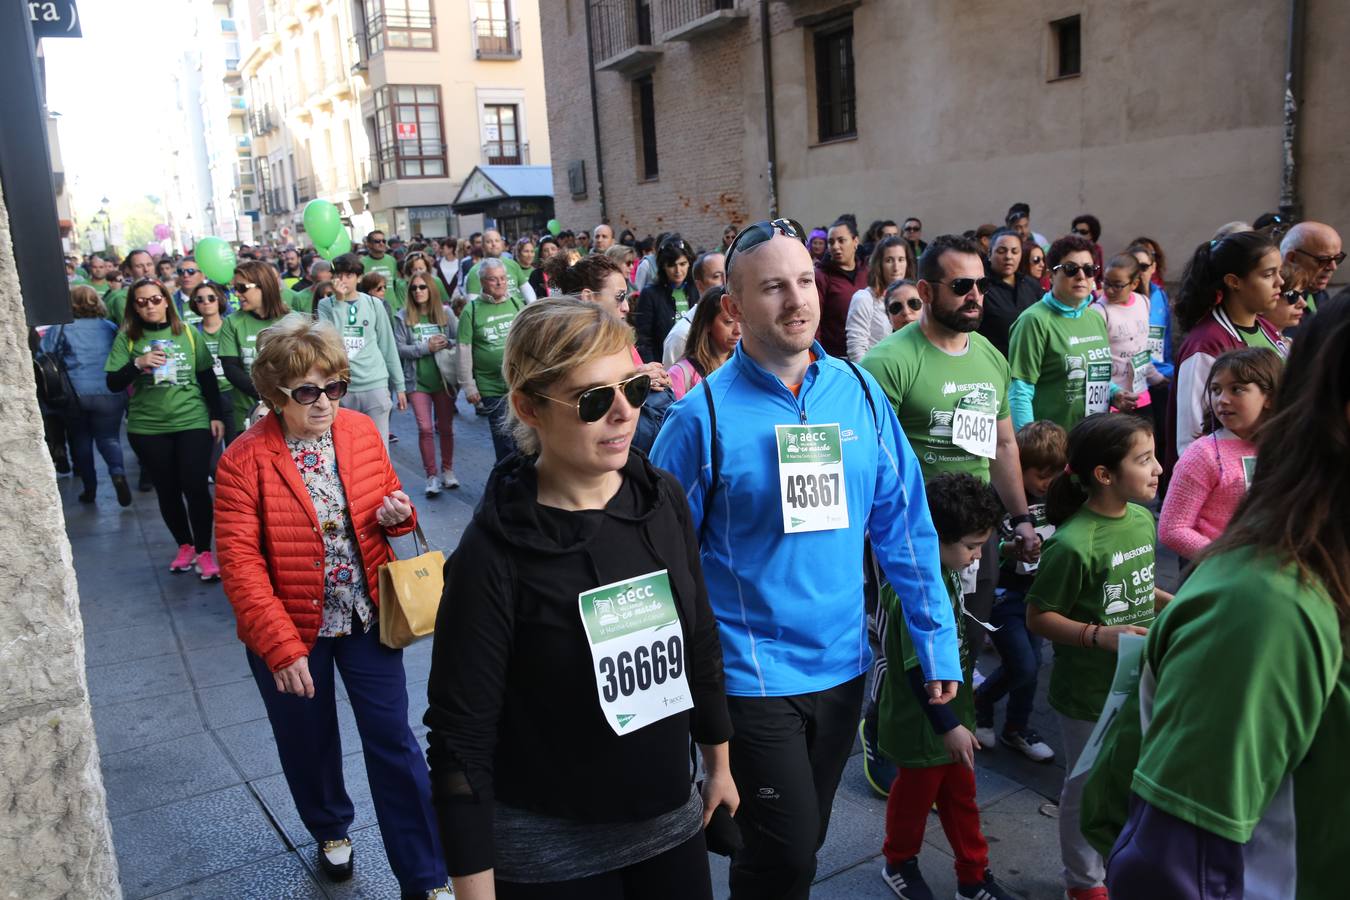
[178, 463]
[681, 873]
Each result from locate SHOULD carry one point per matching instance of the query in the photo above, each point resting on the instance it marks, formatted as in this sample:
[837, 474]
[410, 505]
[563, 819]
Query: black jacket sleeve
[650, 307]
[940, 717]
[465, 693]
[238, 376]
[206, 379]
[711, 722]
[122, 378]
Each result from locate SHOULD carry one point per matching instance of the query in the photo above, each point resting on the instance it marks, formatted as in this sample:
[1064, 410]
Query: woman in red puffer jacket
[305, 502]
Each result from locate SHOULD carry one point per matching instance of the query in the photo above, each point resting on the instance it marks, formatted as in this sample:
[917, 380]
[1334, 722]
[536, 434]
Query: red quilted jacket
[267, 532]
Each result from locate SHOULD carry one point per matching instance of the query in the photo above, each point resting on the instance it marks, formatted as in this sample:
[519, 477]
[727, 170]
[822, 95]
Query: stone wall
[55, 840]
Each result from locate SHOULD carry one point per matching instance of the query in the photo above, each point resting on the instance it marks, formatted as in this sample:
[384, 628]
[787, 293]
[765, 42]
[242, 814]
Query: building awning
[487, 186]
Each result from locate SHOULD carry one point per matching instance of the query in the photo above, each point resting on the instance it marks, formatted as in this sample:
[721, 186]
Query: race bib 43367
[811, 477]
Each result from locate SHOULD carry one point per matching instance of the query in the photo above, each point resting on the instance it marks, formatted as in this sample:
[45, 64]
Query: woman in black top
[575, 652]
[663, 300]
[1010, 291]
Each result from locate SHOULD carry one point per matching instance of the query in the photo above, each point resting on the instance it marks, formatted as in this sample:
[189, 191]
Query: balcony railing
[506, 153]
[356, 47]
[622, 34]
[683, 20]
[261, 121]
[496, 39]
[399, 31]
[372, 171]
[302, 190]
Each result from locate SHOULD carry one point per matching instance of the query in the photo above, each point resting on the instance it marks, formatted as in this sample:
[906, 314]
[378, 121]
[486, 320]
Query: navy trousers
[310, 748]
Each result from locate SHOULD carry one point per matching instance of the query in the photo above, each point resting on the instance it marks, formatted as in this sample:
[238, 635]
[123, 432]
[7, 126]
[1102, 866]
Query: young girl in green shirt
[1095, 583]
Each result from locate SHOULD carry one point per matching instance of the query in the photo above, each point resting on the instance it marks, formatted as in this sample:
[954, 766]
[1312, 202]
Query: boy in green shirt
[933, 745]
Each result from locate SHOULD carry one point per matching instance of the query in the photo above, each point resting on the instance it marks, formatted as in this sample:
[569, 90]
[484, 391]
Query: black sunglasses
[188, 271]
[1072, 269]
[912, 228]
[420, 288]
[896, 307]
[242, 286]
[1323, 261]
[308, 394]
[962, 286]
[758, 233]
[592, 403]
[1292, 297]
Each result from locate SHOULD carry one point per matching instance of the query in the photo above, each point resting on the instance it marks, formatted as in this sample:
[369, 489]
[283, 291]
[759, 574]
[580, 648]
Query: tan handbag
[410, 594]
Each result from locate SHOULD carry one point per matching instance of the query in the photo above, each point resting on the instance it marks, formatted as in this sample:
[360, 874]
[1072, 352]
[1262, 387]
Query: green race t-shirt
[1060, 356]
[116, 304]
[904, 733]
[428, 373]
[213, 345]
[483, 327]
[397, 295]
[514, 279]
[239, 337]
[1100, 570]
[926, 385]
[681, 300]
[302, 301]
[167, 401]
[1256, 337]
[1246, 695]
[386, 264]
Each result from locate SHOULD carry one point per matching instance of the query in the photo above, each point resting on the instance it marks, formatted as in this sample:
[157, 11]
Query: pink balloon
[155, 248]
[162, 232]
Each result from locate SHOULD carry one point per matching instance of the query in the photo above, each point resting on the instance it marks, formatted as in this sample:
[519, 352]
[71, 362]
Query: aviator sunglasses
[758, 233]
[592, 403]
[1072, 269]
[896, 306]
[308, 394]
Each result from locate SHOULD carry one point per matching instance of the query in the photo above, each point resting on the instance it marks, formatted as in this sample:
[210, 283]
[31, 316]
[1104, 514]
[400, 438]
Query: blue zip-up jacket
[83, 345]
[1160, 313]
[789, 607]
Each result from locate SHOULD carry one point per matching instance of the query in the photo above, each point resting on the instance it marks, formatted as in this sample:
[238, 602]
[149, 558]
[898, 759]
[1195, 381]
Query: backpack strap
[714, 456]
[871, 404]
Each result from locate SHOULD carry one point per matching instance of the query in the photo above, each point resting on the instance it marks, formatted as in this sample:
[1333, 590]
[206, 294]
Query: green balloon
[343, 244]
[216, 258]
[322, 222]
[554, 227]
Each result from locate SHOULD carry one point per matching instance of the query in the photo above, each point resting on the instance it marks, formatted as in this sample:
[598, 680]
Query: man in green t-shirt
[378, 258]
[949, 387]
[138, 264]
[483, 327]
[517, 282]
[100, 267]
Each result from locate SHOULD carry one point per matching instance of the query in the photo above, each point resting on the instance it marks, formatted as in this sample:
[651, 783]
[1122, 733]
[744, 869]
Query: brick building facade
[1161, 118]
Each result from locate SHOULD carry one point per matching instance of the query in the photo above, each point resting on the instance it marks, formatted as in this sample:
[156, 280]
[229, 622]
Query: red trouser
[953, 788]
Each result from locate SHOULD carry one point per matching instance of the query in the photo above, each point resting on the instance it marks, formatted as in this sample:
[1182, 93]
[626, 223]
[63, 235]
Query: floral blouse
[344, 578]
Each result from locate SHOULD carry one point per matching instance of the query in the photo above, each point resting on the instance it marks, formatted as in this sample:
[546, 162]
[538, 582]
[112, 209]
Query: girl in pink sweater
[1212, 476]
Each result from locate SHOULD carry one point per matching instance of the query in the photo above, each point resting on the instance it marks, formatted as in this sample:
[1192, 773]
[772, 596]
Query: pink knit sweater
[1207, 485]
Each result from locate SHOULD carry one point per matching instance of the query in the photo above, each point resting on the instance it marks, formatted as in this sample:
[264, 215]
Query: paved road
[198, 804]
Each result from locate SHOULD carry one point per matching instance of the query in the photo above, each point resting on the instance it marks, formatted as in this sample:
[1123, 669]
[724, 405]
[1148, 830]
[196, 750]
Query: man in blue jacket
[789, 458]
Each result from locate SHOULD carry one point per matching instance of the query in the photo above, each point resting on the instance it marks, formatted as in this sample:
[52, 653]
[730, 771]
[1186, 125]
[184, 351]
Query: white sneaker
[986, 736]
[449, 480]
[1029, 743]
[433, 485]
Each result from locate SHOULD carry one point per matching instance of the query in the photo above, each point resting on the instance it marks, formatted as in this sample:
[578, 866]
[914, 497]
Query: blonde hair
[85, 303]
[550, 339]
[289, 349]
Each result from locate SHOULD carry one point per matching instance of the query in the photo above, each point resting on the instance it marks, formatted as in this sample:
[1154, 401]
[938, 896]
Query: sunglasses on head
[962, 286]
[759, 232]
[1072, 269]
[897, 306]
[308, 394]
[592, 403]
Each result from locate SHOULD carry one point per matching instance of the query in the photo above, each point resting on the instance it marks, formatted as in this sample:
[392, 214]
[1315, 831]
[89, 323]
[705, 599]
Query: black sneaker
[878, 770]
[906, 880]
[984, 890]
[119, 483]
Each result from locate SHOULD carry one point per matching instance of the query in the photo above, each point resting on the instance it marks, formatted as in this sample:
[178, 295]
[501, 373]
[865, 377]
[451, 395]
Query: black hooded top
[514, 712]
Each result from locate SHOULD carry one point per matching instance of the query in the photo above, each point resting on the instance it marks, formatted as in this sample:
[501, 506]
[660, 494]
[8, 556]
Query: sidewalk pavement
[199, 807]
